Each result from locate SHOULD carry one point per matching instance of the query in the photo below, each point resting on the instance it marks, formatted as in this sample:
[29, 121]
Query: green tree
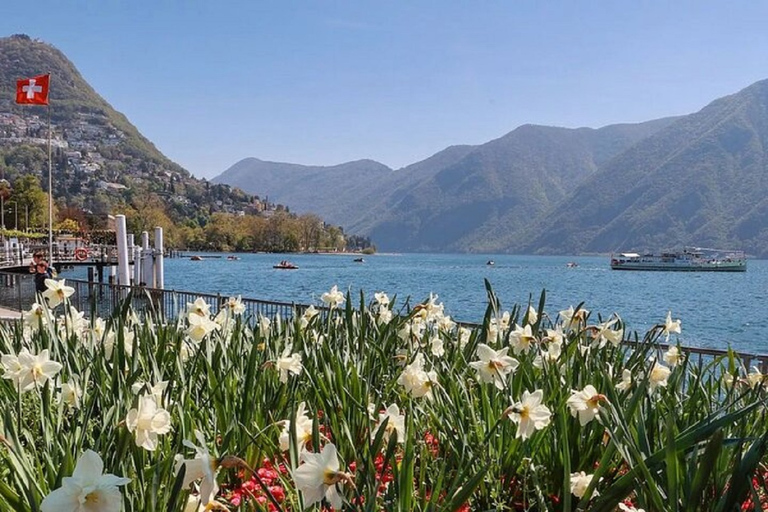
[31, 201]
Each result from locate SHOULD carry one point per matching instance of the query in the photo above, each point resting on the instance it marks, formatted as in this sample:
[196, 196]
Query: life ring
[81, 254]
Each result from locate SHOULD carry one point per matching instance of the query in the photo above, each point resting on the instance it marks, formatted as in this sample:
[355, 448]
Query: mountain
[101, 163]
[702, 180]
[462, 198]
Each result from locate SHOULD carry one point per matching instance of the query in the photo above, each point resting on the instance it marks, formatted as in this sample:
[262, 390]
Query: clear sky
[325, 82]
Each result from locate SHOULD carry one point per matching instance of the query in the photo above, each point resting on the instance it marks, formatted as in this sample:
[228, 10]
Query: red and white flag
[33, 91]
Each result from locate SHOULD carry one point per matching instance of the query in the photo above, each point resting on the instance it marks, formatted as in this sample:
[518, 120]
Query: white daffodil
[384, 317]
[626, 380]
[445, 324]
[659, 375]
[533, 316]
[530, 414]
[605, 334]
[33, 370]
[463, 336]
[306, 317]
[71, 393]
[579, 483]
[415, 380]
[203, 467]
[303, 429]
[333, 298]
[199, 308]
[289, 363]
[87, 490]
[671, 326]
[148, 421]
[57, 292]
[673, 356]
[35, 316]
[629, 508]
[571, 318]
[235, 306]
[436, 347]
[200, 327]
[395, 424]
[522, 339]
[755, 378]
[382, 299]
[318, 477]
[585, 404]
[264, 325]
[494, 366]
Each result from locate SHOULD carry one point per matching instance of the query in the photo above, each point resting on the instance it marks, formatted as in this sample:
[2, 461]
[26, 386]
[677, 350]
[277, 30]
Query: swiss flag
[33, 91]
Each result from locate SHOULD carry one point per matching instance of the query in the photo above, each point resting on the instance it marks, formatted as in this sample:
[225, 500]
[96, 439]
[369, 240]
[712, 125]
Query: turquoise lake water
[716, 309]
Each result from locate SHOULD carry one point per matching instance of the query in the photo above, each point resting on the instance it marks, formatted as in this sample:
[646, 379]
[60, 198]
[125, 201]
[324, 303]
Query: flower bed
[370, 408]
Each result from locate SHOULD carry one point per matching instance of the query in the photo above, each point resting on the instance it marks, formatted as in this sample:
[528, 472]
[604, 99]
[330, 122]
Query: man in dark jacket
[42, 273]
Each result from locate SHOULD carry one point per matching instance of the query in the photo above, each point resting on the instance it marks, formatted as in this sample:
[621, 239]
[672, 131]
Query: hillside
[464, 198]
[702, 181]
[102, 164]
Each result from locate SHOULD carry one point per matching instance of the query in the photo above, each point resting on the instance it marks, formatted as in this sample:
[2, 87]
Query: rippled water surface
[716, 309]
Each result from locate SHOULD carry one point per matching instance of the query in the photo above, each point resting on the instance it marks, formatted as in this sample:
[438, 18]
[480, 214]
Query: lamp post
[5, 192]
[15, 214]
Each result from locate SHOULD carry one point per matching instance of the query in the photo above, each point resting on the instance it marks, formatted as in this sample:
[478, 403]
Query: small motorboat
[285, 265]
[233, 258]
[571, 264]
[491, 263]
[359, 260]
[196, 258]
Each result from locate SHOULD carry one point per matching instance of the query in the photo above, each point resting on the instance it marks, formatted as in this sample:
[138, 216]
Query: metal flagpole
[50, 182]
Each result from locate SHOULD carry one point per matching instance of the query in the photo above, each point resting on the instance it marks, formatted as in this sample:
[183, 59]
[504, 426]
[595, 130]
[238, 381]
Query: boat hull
[680, 268]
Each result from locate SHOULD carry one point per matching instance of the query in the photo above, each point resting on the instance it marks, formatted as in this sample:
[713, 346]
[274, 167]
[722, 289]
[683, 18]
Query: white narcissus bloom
[522, 339]
[264, 325]
[56, 292]
[156, 391]
[585, 404]
[671, 326]
[318, 476]
[71, 393]
[306, 317]
[579, 483]
[303, 429]
[235, 305]
[382, 299]
[530, 414]
[755, 378]
[334, 298]
[33, 370]
[673, 356]
[626, 380]
[532, 316]
[203, 467]
[200, 326]
[384, 317]
[289, 363]
[463, 336]
[494, 366]
[604, 333]
[199, 307]
[570, 318]
[445, 324]
[436, 347]
[148, 421]
[34, 316]
[395, 424]
[415, 380]
[87, 490]
[659, 375]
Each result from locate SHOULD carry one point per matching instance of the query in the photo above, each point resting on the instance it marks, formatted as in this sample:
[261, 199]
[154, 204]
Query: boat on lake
[692, 259]
[285, 265]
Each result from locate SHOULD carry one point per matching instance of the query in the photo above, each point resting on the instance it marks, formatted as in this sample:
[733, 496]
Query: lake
[716, 309]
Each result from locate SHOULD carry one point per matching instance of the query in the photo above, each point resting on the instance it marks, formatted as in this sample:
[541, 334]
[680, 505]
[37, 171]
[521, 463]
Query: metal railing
[17, 292]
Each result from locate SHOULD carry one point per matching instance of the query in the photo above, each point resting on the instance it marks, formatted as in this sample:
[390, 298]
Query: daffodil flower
[579, 483]
[395, 424]
[203, 467]
[303, 429]
[530, 414]
[671, 326]
[585, 404]
[333, 298]
[658, 377]
[148, 421]
[56, 292]
[318, 477]
[416, 380]
[87, 489]
[493, 366]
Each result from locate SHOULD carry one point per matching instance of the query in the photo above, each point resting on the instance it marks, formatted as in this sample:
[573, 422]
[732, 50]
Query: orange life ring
[81, 254]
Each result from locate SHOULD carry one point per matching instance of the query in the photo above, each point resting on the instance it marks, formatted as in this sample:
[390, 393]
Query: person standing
[42, 272]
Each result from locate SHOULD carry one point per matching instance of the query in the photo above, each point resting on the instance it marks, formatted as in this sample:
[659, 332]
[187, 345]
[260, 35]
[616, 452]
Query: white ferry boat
[689, 259]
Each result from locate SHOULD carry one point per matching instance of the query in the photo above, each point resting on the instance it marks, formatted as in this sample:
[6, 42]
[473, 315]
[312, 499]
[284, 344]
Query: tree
[31, 200]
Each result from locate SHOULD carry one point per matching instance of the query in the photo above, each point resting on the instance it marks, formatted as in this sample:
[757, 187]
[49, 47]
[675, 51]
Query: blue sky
[325, 82]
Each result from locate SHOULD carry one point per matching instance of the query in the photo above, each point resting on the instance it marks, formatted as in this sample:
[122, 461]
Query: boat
[691, 259]
[571, 264]
[490, 263]
[359, 260]
[285, 265]
[233, 258]
[196, 258]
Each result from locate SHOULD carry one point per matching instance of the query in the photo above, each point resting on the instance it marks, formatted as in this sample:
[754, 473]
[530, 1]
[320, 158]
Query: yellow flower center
[92, 498]
[332, 477]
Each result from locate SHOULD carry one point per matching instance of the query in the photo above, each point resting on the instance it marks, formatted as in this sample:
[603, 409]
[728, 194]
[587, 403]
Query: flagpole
[50, 185]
